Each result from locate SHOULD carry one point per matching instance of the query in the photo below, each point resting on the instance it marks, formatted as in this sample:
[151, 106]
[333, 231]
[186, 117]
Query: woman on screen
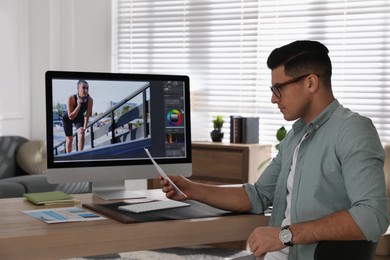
[78, 105]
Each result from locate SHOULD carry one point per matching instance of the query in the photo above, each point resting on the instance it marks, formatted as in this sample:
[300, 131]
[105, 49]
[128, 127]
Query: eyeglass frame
[278, 86]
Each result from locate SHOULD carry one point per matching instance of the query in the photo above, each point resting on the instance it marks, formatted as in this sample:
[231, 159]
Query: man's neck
[318, 107]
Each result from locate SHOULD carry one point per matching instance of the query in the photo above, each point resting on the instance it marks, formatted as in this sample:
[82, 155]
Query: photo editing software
[174, 107]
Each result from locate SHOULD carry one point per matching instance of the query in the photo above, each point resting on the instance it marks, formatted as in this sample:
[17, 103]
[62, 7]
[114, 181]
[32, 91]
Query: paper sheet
[59, 215]
[162, 173]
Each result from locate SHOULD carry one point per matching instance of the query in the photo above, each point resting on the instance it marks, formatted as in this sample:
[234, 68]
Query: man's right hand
[182, 183]
[231, 198]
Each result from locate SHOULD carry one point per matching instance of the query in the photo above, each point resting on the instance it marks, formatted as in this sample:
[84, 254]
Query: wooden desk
[23, 237]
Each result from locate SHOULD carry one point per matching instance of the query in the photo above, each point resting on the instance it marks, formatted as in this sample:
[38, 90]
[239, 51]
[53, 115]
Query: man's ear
[313, 82]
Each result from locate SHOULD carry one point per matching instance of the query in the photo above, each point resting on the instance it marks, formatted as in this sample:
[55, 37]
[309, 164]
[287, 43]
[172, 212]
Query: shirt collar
[319, 120]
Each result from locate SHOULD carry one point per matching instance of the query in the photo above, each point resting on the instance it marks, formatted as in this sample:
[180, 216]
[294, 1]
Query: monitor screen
[98, 125]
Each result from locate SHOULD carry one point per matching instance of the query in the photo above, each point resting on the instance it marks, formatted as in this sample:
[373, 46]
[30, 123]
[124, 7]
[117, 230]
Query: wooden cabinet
[225, 163]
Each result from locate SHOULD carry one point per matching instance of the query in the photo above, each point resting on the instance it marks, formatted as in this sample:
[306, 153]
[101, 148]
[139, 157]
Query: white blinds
[223, 46]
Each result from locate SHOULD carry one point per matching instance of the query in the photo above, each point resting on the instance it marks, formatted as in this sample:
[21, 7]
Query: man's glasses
[278, 86]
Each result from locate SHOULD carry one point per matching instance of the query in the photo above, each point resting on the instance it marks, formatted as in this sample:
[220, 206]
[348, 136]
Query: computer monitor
[128, 112]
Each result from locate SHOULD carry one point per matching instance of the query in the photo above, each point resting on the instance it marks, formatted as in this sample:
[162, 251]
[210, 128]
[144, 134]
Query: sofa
[23, 169]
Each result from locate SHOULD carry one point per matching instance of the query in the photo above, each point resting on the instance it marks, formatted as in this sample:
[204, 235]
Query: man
[327, 181]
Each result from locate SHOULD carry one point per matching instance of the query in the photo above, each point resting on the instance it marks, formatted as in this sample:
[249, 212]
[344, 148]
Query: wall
[14, 68]
[66, 35]
[43, 35]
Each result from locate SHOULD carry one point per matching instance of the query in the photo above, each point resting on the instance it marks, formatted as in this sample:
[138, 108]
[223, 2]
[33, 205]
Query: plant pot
[216, 135]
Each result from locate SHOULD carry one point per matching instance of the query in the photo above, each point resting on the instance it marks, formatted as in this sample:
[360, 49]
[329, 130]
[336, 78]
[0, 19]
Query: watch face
[285, 235]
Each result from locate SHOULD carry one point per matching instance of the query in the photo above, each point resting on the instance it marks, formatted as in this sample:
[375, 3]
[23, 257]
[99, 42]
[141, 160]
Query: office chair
[342, 250]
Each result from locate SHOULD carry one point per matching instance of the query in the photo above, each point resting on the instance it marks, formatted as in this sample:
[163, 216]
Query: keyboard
[153, 206]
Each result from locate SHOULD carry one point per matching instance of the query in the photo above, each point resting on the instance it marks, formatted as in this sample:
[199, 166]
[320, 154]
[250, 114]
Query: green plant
[280, 135]
[218, 122]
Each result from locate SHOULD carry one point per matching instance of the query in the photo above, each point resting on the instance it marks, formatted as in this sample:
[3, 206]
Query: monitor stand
[114, 190]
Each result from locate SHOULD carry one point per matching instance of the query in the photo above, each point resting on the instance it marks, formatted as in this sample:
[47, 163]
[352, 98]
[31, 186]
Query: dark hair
[302, 57]
[82, 81]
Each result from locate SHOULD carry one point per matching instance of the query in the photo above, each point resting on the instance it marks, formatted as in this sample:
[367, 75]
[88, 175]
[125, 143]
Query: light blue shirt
[339, 166]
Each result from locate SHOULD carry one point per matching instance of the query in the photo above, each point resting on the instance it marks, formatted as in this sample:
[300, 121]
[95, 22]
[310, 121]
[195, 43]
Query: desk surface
[23, 237]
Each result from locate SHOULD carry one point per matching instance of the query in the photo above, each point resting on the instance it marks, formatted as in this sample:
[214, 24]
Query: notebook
[51, 197]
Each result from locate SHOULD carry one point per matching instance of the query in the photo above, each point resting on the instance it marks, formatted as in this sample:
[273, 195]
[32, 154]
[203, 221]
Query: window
[223, 46]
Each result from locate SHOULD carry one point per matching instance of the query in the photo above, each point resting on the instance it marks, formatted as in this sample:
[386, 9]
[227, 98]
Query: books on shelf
[235, 129]
[244, 129]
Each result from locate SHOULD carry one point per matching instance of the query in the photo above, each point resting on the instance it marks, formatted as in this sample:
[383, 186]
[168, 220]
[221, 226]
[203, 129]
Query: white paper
[162, 173]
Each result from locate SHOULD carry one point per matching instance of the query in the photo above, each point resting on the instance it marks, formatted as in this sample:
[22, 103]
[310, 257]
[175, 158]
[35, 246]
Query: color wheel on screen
[174, 117]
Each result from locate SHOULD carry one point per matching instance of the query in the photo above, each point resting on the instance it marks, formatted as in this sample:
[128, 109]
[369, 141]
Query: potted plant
[280, 135]
[217, 134]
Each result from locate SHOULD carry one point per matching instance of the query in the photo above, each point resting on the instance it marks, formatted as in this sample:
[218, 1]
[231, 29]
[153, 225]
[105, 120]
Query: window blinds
[223, 46]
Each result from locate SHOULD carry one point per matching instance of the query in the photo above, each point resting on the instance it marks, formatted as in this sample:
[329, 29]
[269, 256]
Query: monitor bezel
[56, 169]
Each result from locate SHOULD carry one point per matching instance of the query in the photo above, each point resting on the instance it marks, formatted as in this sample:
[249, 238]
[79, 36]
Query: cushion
[8, 147]
[31, 157]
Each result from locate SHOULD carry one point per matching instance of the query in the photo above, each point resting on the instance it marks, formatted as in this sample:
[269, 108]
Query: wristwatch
[285, 236]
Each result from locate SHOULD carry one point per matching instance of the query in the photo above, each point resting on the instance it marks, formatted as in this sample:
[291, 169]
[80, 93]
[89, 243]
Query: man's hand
[264, 240]
[231, 198]
[182, 183]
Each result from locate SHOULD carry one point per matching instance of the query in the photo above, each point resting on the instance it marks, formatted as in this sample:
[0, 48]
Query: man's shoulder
[346, 121]
[342, 113]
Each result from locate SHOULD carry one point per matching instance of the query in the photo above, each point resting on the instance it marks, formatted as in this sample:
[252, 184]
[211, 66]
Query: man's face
[294, 101]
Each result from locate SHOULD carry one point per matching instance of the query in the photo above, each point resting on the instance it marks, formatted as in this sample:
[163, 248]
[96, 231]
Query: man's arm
[336, 226]
[232, 198]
